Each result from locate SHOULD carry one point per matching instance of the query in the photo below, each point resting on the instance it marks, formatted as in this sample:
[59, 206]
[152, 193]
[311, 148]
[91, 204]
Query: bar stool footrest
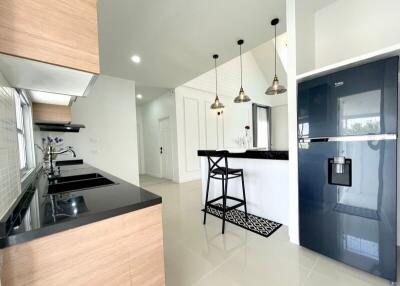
[214, 200]
[227, 209]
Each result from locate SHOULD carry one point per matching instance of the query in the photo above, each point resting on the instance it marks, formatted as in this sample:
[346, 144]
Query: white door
[165, 149]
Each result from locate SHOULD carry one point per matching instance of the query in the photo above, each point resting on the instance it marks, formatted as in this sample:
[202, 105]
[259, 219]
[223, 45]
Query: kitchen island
[110, 233]
[265, 178]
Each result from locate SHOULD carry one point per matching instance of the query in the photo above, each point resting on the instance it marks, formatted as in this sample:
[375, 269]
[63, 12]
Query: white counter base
[266, 183]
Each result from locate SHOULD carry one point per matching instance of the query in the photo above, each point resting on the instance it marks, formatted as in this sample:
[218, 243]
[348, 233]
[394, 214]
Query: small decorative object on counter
[245, 140]
[247, 136]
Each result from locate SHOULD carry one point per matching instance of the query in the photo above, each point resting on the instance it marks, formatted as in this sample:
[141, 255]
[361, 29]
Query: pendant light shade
[275, 88]
[242, 97]
[217, 105]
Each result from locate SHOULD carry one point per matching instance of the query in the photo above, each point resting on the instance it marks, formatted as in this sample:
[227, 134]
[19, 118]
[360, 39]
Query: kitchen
[88, 116]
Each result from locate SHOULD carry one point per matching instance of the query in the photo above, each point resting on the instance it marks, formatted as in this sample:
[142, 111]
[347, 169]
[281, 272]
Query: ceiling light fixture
[217, 105]
[275, 88]
[242, 97]
[136, 59]
[139, 96]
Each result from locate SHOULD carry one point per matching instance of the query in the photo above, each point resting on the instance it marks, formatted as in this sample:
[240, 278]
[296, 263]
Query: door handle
[161, 150]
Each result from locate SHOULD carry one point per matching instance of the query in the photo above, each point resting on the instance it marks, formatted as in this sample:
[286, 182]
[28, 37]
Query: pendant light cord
[241, 67]
[275, 50]
[216, 78]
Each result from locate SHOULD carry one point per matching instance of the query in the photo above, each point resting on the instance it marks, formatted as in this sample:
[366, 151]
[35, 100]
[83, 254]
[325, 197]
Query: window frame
[255, 108]
[25, 131]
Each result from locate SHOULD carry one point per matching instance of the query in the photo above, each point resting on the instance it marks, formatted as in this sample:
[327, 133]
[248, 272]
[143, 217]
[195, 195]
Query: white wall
[199, 127]
[292, 121]
[349, 28]
[151, 113]
[140, 139]
[279, 127]
[109, 141]
[305, 26]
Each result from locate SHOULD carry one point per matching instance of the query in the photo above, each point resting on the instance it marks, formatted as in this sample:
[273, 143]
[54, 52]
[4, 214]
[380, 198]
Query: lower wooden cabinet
[123, 250]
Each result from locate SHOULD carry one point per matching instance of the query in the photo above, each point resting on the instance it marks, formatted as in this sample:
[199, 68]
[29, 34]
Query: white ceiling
[176, 38]
[149, 93]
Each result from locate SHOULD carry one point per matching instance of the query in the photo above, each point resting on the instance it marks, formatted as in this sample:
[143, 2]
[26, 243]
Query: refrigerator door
[357, 101]
[348, 212]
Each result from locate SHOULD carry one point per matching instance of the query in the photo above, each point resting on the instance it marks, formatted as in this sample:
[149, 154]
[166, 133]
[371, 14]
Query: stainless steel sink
[58, 180]
[78, 182]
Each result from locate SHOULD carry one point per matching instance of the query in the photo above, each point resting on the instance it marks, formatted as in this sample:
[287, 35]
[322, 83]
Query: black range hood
[60, 127]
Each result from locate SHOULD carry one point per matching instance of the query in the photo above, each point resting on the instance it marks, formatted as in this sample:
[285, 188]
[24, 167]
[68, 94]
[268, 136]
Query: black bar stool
[224, 174]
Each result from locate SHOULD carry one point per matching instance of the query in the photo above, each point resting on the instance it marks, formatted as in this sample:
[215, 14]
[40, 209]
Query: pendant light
[217, 105]
[242, 97]
[275, 88]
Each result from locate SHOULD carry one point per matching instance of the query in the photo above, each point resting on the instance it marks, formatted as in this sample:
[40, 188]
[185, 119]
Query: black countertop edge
[125, 198]
[251, 154]
[53, 229]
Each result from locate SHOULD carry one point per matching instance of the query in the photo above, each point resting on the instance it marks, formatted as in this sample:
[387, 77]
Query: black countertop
[43, 214]
[251, 154]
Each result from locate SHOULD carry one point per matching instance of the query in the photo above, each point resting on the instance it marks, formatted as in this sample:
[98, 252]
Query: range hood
[37, 76]
[60, 127]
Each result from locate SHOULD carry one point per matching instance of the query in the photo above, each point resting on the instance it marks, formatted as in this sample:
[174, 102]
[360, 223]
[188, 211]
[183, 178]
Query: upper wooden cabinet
[51, 113]
[60, 32]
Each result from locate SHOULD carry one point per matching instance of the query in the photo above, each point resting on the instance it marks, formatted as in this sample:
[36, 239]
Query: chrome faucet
[52, 153]
[62, 151]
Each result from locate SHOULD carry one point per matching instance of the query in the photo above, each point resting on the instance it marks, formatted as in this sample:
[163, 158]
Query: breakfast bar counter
[266, 181]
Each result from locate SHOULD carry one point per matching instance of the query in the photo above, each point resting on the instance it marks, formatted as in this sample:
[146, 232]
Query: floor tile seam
[310, 271]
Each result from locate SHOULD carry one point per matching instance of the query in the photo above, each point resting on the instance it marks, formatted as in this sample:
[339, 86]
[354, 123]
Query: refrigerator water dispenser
[339, 171]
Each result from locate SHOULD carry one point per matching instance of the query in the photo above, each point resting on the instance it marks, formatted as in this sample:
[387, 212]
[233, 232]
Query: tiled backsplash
[10, 186]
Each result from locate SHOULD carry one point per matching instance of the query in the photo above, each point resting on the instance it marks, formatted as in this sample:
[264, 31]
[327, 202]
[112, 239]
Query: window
[23, 130]
[261, 126]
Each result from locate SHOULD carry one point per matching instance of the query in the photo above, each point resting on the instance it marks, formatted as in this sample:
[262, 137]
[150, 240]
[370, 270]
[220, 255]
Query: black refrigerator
[347, 148]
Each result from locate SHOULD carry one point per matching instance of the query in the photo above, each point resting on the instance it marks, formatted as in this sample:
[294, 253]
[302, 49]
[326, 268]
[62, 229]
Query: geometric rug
[256, 224]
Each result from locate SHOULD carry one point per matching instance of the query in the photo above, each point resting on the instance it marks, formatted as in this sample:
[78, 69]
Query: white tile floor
[201, 255]
[146, 180]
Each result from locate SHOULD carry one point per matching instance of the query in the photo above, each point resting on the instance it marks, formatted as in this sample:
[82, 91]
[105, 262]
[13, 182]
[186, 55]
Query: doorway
[165, 148]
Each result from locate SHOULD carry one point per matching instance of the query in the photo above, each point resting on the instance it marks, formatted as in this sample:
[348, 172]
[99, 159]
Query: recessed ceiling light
[136, 59]
[139, 96]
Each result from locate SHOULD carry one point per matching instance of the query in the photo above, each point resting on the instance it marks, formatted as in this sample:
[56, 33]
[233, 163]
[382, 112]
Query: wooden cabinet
[60, 32]
[51, 113]
[123, 250]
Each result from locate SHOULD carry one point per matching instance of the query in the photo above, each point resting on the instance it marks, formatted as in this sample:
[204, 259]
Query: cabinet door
[62, 32]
